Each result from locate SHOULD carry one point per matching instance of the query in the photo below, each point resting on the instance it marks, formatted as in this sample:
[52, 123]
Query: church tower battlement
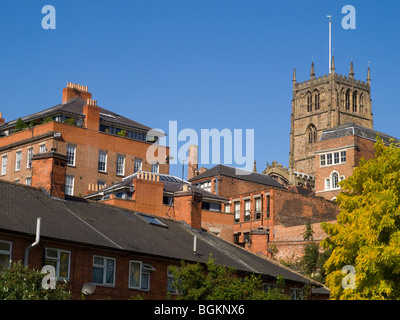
[321, 103]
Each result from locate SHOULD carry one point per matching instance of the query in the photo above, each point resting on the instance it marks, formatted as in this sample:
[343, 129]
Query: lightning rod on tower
[330, 41]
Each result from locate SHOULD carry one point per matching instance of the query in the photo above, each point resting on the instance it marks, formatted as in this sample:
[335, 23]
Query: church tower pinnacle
[312, 73]
[351, 72]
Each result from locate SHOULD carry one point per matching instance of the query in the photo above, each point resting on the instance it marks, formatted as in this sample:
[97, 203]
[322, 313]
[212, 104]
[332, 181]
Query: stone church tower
[322, 103]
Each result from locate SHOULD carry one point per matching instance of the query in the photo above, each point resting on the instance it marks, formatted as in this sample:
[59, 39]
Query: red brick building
[168, 196]
[123, 253]
[339, 152]
[101, 146]
[272, 221]
[267, 217]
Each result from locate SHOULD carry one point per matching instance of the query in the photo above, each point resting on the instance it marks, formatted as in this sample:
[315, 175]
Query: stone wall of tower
[335, 95]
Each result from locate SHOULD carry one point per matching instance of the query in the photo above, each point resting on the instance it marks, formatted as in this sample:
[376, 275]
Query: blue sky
[203, 63]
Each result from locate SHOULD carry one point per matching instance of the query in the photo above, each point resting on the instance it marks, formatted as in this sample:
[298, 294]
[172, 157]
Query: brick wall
[88, 143]
[48, 172]
[228, 187]
[187, 207]
[218, 223]
[284, 225]
[290, 243]
[355, 147]
[81, 266]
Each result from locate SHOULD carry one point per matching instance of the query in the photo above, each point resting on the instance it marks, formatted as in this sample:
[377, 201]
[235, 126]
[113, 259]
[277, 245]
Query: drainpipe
[33, 244]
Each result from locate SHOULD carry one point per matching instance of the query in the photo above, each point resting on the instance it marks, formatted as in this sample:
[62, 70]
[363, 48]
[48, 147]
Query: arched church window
[316, 99]
[335, 180]
[337, 98]
[355, 101]
[347, 100]
[361, 103]
[309, 103]
[312, 134]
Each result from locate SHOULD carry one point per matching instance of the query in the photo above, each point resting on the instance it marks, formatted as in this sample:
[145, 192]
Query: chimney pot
[73, 90]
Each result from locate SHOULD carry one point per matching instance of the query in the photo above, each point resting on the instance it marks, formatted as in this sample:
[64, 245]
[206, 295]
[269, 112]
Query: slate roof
[303, 191]
[93, 224]
[171, 185]
[349, 129]
[240, 174]
[74, 107]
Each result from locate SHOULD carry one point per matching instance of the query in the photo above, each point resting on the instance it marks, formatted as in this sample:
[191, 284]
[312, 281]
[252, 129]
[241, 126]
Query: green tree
[48, 119]
[313, 259]
[214, 282]
[23, 283]
[309, 261]
[70, 121]
[367, 232]
[19, 125]
[308, 232]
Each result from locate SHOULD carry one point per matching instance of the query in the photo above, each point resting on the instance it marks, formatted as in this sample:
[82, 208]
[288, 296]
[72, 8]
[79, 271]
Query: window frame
[104, 268]
[155, 165]
[236, 208]
[257, 208]
[29, 156]
[119, 165]
[18, 160]
[73, 156]
[144, 272]
[136, 161]
[42, 148]
[309, 102]
[317, 100]
[100, 162]
[331, 184]
[170, 281]
[4, 164]
[347, 100]
[294, 294]
[9, 252]
[336, 157]
[322, 160]
[69, 186]
[247, 210]
[268, 204]
[205, 185]
[343, 155]
[334, 180]
[333, 158]
[58, 261]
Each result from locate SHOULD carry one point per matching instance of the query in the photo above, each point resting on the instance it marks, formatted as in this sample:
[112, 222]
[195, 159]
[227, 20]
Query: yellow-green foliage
[367, 232]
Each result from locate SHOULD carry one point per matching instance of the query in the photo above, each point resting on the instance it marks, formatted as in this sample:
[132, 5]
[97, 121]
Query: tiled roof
[89, 223]
[75, 108]
[238, 173]
[301, 190]
[171, 185]
[349, 129]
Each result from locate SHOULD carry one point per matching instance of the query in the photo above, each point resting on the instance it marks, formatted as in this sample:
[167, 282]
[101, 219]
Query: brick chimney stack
[187, 205]
[73, 90]
[92, 115]
[49, 172]
[193, 161]
[2, 120]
